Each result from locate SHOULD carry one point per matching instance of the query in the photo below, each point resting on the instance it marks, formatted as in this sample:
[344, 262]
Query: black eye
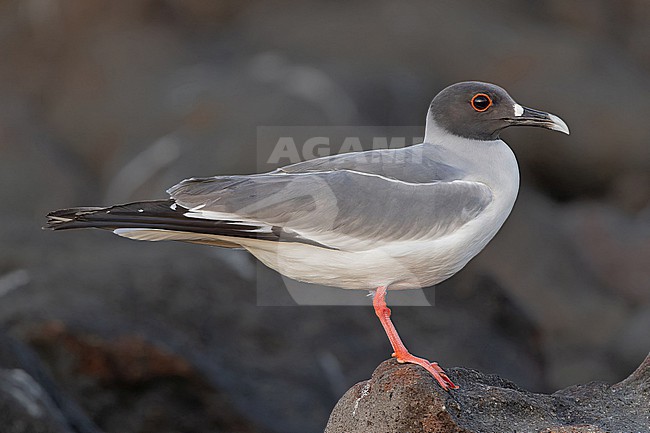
[481, 102]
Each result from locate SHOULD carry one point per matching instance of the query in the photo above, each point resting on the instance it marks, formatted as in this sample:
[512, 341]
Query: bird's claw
[432, 367]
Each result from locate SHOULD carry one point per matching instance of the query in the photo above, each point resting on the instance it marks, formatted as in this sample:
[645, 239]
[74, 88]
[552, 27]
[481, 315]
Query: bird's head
[480, 111]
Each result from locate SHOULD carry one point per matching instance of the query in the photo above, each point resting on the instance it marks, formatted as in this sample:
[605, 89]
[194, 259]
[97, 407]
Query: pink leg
[400, 352]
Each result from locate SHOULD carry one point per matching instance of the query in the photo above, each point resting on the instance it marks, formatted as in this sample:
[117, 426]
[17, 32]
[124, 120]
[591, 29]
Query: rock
[133, 385]
[30, 402]
[25, 407]
[612, 244]
[404, 398]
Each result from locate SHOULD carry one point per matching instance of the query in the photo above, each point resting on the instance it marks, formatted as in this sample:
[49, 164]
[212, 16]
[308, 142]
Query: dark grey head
[480, 111]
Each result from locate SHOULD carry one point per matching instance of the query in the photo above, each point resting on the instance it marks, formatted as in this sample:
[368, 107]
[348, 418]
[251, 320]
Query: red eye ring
[481, 102]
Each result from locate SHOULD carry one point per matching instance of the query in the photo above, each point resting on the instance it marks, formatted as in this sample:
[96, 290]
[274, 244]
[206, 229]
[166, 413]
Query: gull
[387, 219]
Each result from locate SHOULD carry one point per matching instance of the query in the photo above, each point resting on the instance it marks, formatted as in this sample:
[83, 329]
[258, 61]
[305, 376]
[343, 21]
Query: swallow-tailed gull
[386, 219]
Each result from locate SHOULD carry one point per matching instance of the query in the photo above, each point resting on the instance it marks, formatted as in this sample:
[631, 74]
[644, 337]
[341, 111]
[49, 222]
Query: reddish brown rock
[404, 398]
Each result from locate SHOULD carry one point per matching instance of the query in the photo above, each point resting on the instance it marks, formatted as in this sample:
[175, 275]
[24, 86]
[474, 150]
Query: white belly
[398, 265]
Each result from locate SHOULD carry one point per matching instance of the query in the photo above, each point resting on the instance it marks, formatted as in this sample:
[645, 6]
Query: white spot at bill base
[519, 110]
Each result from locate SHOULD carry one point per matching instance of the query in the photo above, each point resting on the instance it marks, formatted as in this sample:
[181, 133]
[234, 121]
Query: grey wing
[340, 209]
[417, 164]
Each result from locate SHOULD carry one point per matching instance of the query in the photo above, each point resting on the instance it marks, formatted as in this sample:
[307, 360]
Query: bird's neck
[489, 161]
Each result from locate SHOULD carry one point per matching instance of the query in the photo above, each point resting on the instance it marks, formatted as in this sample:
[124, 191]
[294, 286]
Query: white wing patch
[145, 234]
[219, 216]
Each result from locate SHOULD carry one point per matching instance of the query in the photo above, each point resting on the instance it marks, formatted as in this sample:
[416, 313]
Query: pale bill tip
[558, 124]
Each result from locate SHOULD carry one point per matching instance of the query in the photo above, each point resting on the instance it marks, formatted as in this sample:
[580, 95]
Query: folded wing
[341, 209]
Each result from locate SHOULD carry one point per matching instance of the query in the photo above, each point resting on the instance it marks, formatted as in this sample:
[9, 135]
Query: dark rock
[132, 385]
[404, 398]
[26, 407]
[539, 260]
[613, 245]
[30, 401]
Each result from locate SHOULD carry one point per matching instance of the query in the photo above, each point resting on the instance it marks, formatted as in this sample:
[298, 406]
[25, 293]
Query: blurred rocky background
[104, 102]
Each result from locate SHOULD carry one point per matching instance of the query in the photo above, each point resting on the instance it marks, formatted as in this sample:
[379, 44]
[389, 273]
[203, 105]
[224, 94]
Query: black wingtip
[134, 214]
[66, 218]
